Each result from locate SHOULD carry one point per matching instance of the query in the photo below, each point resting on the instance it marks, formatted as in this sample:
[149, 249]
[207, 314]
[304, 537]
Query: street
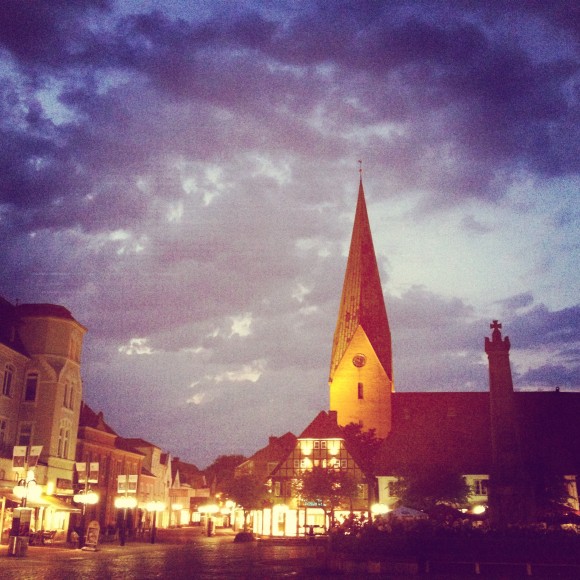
[183, 553]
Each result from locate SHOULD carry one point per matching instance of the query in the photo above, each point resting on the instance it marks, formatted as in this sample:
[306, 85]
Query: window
[25, 434]
[360, 391]
[480, 486]
[277, 488]
[3, 430]
[64, 438]
[31, 387]
[317, 445]
[323, 445]
[297, 464]
[69, 395]
[7, 383]
[343, 463]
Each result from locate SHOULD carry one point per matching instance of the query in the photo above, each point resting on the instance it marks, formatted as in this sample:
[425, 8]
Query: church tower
[511, 498]
[361, 365]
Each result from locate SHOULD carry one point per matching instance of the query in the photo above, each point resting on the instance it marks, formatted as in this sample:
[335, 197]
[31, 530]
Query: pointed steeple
[362, 303]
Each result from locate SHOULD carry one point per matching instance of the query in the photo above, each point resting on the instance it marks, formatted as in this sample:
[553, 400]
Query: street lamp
[154, 506]
[26, 488]
[87, 473]
[85, 497]
[125, 502]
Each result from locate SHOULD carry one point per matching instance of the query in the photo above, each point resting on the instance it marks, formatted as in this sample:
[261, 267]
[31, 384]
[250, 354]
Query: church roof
[362, 302]
[452, 430]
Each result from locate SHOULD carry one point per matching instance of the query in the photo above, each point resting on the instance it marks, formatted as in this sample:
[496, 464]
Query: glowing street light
[154, 506]
[27, 489]
[124, 502]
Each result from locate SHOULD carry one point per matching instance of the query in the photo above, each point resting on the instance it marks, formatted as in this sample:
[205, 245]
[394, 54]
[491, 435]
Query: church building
[508, 445]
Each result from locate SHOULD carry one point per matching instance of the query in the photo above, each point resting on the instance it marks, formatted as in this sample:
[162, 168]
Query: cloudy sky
[183, 176]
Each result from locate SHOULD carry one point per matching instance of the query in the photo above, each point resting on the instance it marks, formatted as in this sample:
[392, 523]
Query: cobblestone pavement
[184, 553]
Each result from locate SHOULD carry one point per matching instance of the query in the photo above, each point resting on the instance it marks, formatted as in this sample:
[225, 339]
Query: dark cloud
[163, 173]
[552, 376]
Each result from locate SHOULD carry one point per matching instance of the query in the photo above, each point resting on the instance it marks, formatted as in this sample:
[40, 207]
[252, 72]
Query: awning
[11, 500]
[53, 502]
[45, 501]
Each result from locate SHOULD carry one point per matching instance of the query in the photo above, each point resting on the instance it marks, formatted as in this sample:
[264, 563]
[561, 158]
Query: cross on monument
[495, 325]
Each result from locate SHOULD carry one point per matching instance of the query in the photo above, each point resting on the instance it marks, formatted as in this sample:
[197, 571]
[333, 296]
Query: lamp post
[154, 506]
[124, 502]
[126, 484]
[85, 497]
[87, 473]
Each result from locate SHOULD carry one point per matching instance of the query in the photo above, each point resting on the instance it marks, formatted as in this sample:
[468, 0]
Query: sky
[183, 176]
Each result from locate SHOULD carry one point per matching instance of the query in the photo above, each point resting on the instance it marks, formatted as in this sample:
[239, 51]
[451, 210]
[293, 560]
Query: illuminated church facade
[506, 444]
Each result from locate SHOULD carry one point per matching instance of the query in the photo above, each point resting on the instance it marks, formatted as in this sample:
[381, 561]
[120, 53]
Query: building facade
[40, 401]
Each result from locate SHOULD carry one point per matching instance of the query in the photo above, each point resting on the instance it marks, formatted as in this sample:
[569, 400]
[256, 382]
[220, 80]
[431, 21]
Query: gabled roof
[189, 474]
[138, 442]
[260, 463]
[362, 302]
[88, 418]
[324, 426]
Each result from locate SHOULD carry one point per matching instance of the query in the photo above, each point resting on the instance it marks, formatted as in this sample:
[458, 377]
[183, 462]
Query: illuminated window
[277, 488]
[360, 391]
[296, 463]
[317, 445]
[323, 445]
[7, 383]
[31, 387]
[343, 463]
[480, 486]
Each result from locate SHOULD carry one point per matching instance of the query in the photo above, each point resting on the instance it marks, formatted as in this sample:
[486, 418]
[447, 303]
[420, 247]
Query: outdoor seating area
[42, 537]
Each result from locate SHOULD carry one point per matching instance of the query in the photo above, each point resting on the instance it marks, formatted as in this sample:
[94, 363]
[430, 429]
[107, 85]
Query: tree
[422, 487]
[221, 471]
[327, 489]
[249, 492]
[364, 444]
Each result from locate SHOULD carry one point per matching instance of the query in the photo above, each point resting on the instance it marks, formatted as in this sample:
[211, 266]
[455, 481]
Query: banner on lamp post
[132, 484]
[82, 472]
[19, 457]
[122, 484]
[33, 456]
[93, 472]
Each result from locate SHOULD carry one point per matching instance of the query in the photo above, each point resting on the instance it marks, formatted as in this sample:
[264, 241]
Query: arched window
[7, 382]
[64, 438]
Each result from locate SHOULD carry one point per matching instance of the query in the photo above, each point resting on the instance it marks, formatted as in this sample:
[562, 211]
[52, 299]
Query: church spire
[362, 303]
